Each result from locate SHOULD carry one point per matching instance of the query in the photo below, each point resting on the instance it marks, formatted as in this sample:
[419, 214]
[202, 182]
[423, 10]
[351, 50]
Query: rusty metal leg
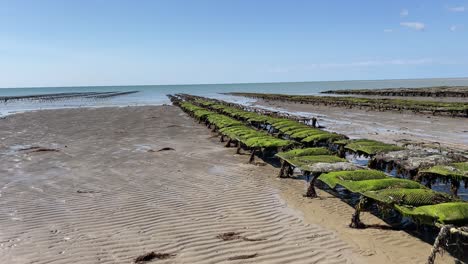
[284, 165]
[356, 220]
[439, 243]
[252, 156]
[311, 193]
[455, 185]
[238, 150]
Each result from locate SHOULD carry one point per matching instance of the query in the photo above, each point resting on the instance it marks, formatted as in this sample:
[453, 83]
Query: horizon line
[229, 83]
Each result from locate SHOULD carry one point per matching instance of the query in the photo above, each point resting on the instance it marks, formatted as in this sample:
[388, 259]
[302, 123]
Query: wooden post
[228, 144]
[341, 152]
[356, 220]
[262, 153]
[238, 149]
[372, 163]
[438, 243]
[429, 183]
[222, 138]
[455, 184]
[252, 156]
[311, 193]
[284, 164]
[290, 170]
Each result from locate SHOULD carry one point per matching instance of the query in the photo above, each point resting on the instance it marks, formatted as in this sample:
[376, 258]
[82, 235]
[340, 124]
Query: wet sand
[107, 196]
[388, 127]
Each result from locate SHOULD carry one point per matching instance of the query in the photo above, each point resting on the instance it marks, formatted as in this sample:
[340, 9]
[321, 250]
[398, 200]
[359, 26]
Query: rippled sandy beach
[92, 186]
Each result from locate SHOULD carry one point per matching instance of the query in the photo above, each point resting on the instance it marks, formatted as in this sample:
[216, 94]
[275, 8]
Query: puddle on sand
[12, 150]
[142, 148]
[216, 169]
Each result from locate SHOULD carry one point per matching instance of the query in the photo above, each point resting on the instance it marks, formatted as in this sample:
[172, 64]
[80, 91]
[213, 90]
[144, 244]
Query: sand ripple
[106, 201]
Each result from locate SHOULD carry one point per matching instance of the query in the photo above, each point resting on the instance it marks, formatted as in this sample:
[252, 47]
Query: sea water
[156, 94]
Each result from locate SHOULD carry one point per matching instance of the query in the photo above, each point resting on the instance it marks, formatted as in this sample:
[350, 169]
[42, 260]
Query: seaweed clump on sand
[38, 149]
[243, 257]
[229, 236]
[151, 256]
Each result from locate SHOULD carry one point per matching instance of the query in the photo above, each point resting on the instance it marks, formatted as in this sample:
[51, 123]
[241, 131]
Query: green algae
[410, 197]
[303, 152]
[434, 107]
[322, 137]
[235, 129]
[457, 170]
[370, 147]
[455, 213]
[380, 184]
[333, 178]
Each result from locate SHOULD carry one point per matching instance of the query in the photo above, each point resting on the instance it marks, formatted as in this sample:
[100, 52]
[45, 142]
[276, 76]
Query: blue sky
[66, 43]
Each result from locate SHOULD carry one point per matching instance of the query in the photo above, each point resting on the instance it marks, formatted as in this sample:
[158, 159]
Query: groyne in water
[64, 96]
[453, 109]
[438, 91]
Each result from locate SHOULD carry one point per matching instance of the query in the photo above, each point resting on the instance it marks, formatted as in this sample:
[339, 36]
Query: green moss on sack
[303, 152]
[266, 142]
[370, 147]
[457, 170]
[411, 197]
[379, 184]
[306, 132]
[333, 178]
[233, 128]
[446, 108]
[455, 213]
[309, 160]
[323, 137]
[408, 197]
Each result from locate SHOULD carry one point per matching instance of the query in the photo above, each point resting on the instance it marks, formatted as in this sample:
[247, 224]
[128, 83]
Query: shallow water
[156, 94]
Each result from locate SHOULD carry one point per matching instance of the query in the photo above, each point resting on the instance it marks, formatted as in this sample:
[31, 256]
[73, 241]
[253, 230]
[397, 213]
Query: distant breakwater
[64, 96]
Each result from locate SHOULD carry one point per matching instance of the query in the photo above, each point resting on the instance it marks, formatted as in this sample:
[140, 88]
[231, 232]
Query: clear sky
[81, 42]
